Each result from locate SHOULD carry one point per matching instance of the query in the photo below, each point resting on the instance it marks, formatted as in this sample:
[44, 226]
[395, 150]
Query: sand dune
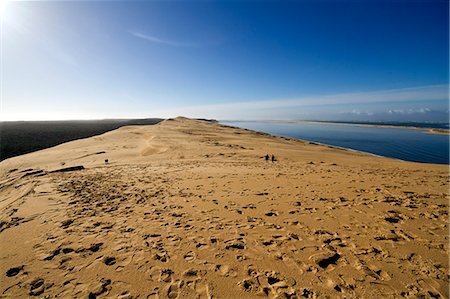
[191, 209]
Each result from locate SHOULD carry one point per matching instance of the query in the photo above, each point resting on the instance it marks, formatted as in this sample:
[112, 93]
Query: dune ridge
[191, 209]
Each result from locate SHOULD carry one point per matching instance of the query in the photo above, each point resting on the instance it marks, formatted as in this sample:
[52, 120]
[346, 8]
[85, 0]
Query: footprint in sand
[109, 260]
[161, 256]
[271, 213]
[66, 223]
[166, 275]
[103, 286]
[225, 270]
[235, 244]
[38, 286]
[329, 259]
[125, 295]
[191, 273]
[190, 256]
[173, 290]
[268, 283]
[250, 284]
[14, 271]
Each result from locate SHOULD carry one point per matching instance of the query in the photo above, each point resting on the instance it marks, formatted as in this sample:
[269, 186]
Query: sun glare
[5, 11]
[2, 7]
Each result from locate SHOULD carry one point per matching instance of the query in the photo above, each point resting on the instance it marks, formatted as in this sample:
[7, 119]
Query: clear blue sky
[225, 60]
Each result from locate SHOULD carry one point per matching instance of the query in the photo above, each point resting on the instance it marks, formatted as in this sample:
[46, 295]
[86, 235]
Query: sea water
[399, 143]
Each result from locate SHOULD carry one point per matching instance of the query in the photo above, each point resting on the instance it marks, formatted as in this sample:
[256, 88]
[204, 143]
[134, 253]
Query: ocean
[399, 143]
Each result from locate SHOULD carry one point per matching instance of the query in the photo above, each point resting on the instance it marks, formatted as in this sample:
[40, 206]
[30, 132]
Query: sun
[3, 4]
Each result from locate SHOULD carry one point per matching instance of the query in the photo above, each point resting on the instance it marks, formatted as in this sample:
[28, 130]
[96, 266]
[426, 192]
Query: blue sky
[335, 60]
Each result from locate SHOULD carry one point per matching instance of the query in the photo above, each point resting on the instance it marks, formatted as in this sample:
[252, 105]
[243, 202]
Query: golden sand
[191, 209]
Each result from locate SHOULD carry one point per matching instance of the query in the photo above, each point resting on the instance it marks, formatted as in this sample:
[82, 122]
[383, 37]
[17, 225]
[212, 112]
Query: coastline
[332, 146]
[189, 208]
[426, 130]
[429, 150]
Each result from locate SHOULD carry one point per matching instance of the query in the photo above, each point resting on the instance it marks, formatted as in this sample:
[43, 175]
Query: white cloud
[409, 111]
[172, 43]
[261, 109]
[357, 112]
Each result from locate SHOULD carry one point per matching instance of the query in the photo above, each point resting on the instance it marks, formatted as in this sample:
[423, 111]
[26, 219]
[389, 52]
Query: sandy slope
[191, 209]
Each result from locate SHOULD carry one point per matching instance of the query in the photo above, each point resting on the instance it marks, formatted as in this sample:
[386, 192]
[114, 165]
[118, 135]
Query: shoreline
[336, 146]
[426, 130]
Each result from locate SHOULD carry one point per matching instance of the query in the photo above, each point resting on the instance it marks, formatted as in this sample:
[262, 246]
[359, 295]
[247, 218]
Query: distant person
[267, 157]
[106, 161]
[273, 158]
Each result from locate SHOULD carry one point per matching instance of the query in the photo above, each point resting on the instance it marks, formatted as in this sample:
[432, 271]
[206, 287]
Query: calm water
[404, 144]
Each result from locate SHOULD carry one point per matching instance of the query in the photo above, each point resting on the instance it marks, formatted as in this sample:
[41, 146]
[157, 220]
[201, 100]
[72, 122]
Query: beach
[192, 209]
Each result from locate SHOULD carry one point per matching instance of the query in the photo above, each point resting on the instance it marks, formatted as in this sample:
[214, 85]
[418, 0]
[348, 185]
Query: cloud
[402, 115]
[257, 109]
[357, 112]
[157, 40]
[409, 111]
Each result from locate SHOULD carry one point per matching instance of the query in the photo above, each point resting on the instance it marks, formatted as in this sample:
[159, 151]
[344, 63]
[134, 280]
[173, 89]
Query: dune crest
[191, 209]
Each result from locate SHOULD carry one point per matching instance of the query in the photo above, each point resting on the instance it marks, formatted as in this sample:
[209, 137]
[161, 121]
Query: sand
[191, 209]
